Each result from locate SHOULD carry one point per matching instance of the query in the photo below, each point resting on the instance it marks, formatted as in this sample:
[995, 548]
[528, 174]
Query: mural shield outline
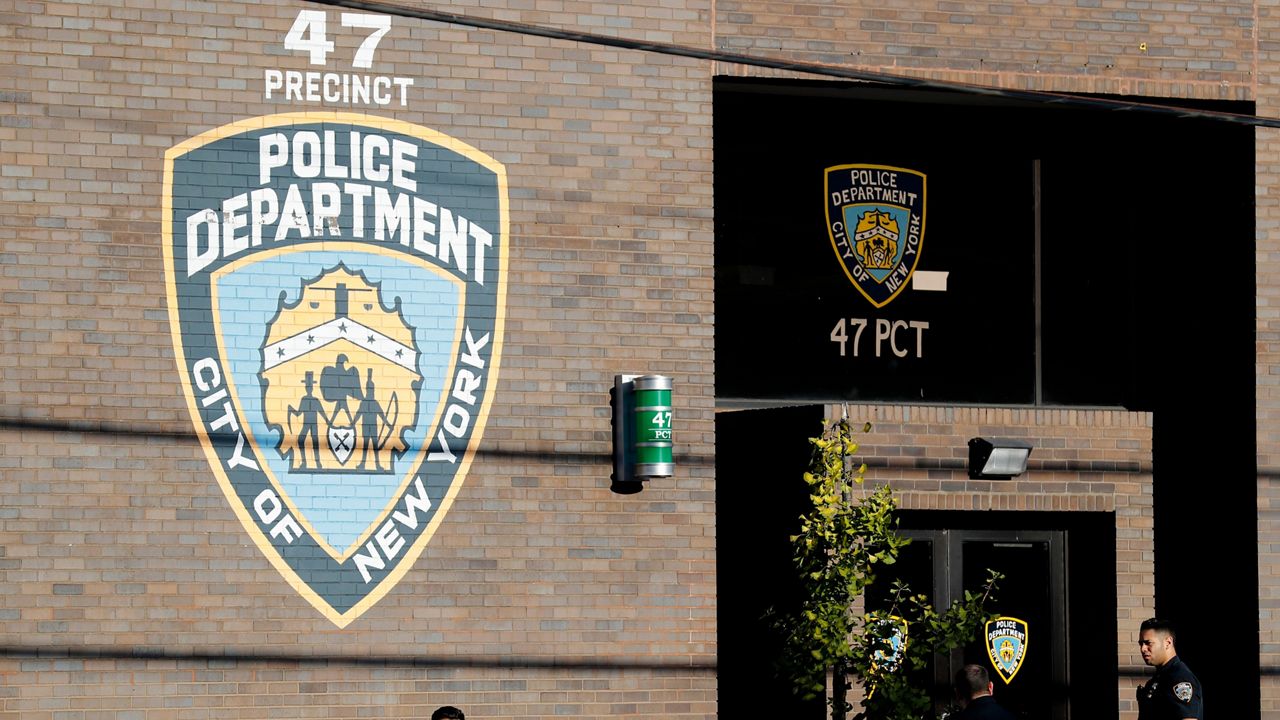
[290, 240]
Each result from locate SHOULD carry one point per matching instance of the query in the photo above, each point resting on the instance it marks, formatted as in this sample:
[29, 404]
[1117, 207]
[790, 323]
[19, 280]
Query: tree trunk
[839, 692]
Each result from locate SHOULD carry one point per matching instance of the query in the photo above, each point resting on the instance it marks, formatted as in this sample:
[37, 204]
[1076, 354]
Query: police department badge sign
[336, 288]
[875, 218]
[893, 630]
[1006, 645]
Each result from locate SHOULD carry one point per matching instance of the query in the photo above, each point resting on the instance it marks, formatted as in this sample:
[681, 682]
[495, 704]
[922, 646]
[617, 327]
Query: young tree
[841, 543]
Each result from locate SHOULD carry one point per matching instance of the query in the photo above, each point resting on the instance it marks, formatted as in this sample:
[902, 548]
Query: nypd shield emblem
[892, 630]
[336, 287]
[1006, 645]
[875, 219]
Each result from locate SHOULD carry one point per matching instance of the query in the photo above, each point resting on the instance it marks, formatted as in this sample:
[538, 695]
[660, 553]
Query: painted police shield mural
[336, 290]
[875, 219]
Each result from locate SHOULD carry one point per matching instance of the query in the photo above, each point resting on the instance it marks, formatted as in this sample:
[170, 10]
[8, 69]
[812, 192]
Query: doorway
[1025, 651]
[1057, 593]
[1060, 572]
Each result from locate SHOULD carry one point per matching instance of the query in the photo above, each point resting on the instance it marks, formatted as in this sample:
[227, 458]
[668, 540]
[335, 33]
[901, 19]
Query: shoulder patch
[1183, 691]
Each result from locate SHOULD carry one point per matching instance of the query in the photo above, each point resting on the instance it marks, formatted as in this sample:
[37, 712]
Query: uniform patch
[875, 218]
[1183, 691]
[1006, 645]
[336, 287]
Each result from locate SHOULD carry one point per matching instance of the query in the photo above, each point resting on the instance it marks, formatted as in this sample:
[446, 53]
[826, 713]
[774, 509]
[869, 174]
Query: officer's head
[1156, 640]
[448, 712]
[972, 681]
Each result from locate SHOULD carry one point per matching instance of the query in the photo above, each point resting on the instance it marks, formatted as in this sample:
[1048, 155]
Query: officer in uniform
[1173, 693]
[974, 689]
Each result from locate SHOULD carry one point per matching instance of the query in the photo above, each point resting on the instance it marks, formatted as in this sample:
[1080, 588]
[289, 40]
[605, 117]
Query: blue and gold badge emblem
[1183, 691]
[336, 287]
[875, 218]
[1006, 645]
[892, 630]
[891, 634]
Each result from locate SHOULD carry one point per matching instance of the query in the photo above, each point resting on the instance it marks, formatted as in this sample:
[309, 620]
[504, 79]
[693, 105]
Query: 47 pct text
[901, 337]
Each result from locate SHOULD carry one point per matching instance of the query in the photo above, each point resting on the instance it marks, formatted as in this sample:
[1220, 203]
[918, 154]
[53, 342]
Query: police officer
[1173, 693]
[974, 689]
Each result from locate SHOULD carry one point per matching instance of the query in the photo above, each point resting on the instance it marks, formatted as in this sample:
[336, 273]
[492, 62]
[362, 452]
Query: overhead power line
[846, 73]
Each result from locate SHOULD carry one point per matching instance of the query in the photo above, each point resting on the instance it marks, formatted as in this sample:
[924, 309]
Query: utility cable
[846, 73]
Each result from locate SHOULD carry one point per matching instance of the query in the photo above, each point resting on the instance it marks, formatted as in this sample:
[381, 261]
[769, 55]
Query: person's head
[972, 682]
[1156, 642]
[448, 712]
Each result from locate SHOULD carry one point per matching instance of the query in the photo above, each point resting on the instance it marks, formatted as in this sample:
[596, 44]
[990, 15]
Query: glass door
[1025, 650]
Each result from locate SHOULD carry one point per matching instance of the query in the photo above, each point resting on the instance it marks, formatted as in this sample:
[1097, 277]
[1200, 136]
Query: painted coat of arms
[336, 288]
[875, 218]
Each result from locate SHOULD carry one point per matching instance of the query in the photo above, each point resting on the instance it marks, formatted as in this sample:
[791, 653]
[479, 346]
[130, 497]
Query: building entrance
[1060, 579]
[1026, 650]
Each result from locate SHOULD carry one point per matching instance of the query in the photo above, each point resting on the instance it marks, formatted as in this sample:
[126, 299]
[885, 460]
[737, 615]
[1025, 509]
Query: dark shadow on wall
[143, 434]
[1205, 498]
[676, 666]
[761, 457]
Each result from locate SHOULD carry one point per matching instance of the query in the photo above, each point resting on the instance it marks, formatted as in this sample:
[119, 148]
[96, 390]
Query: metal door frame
[948, 567]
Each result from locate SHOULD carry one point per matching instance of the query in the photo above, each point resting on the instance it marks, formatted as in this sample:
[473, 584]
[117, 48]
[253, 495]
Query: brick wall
[1268, 342]
[130, 588]
[542, 594]
[1199, 49]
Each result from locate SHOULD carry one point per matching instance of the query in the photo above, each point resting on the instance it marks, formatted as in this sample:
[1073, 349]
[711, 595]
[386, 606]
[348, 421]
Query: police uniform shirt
[1172, 694]
[984, 708]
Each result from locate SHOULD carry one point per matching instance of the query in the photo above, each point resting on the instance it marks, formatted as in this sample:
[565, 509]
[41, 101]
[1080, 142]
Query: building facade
[312, 314]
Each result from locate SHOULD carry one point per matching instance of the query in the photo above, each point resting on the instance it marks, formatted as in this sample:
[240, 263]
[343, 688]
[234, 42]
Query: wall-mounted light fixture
[997, 459]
